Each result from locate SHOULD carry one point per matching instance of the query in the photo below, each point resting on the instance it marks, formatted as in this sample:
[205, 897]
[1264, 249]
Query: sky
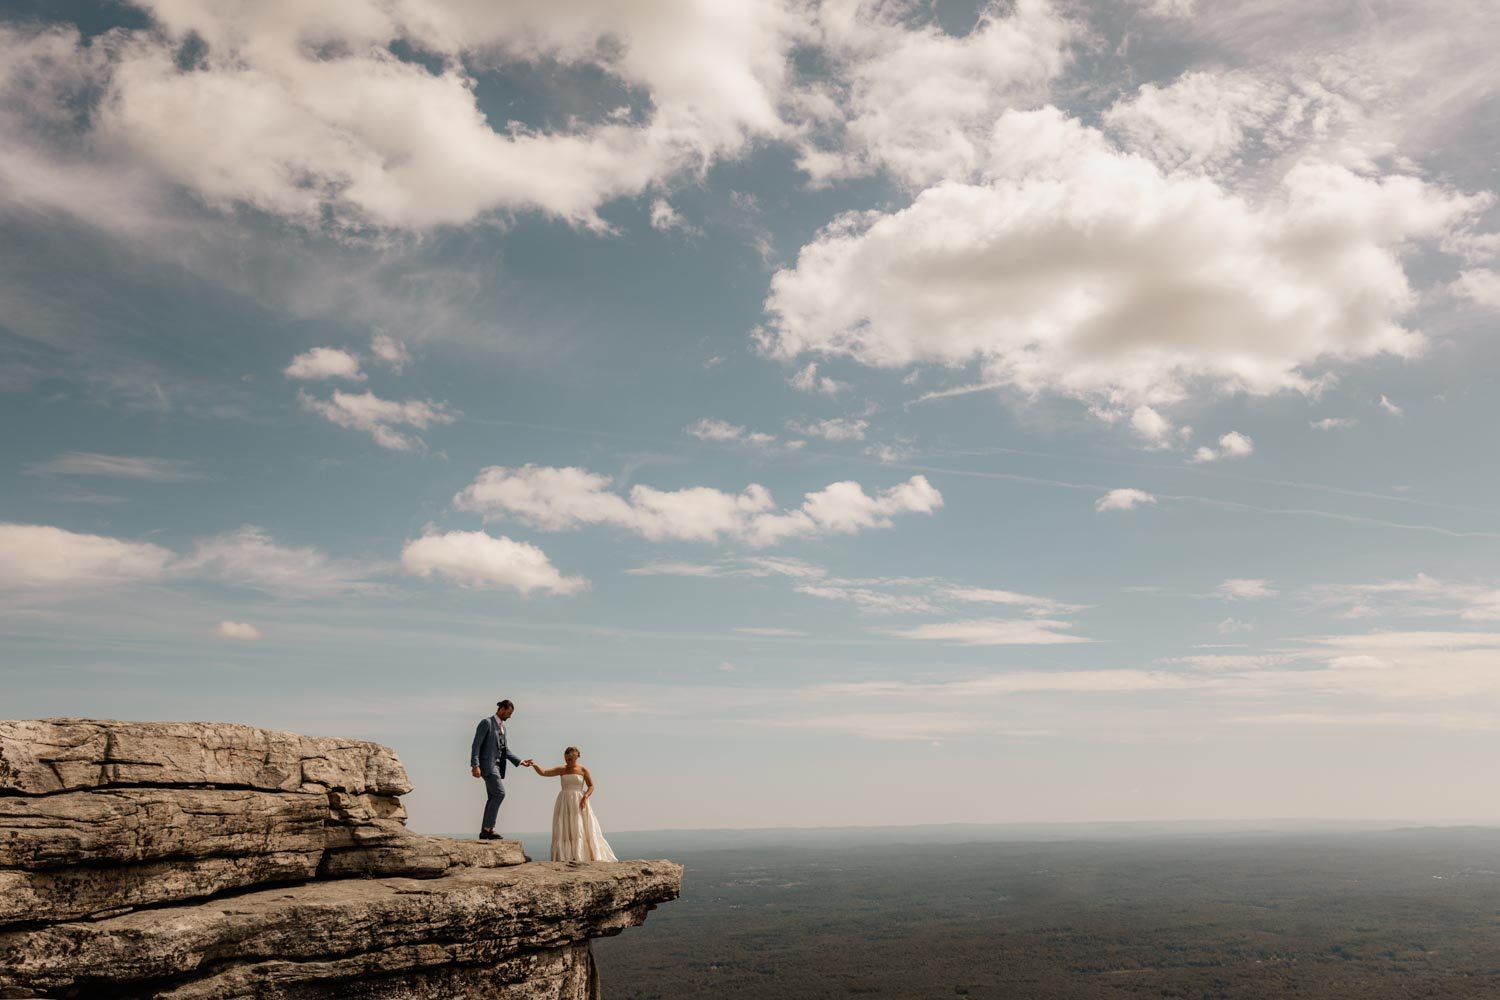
[821, 413]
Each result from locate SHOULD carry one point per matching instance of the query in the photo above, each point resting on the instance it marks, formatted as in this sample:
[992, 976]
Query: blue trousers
[496, 791]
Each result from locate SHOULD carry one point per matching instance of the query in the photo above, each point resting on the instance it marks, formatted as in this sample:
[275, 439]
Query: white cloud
[723, 432]
[900, 450]
[994, 632]
[1333, 423]
[391, 351]
[1170, 8]
[325, 363]
[1390, 407]
[559, 499]
[1235, 445]
[1040, 274]
[1229, 626]
[1029, 602]
[241, 631]
[41, 556]
[1208, 121]
[250, 557]
[712, 429]
[665, 218]
[1231, 445]
[869, 599]
[1125, 498]
[1421, 596]
[1245, 590]
[1151, 426]
[1230, 661]
[477, 559]
[807, 379]
[381, 417]
[88, 463]
[346, 134]
[910, 99]
[833, 429]
[1479, 285]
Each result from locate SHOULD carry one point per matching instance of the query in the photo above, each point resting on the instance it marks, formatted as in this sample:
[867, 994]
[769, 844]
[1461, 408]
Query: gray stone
[416, 856]
[81, 892]
[348, 930]
[128, 825]
[563, 973]
[41, 757]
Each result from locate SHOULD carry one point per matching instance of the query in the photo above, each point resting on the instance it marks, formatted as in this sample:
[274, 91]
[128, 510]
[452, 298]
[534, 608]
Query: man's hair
[503, 704]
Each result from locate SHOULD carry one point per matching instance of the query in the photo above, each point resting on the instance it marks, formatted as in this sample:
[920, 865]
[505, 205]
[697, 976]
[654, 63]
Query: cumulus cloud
[391, 351]
[905, 97]
[1479, 285]
[994, 632]
[1231, 445]
[1125, 498]
[1079, 269]
[241, 631]
[381, 417]
[559, 499]
[349, 134]
[324, 363]
[1151, 426]
[1390, 407]
[665, 218]
[833, 429]
[480, 560]
[723, 432]
[1245, 590]
[88, 463]
[807, 379]
[42, 556]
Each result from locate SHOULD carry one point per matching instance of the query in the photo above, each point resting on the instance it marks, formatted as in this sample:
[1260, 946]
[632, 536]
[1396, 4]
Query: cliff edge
[203, 860]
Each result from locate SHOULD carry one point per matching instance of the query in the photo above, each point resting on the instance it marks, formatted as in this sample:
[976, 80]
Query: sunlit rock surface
[208, 860]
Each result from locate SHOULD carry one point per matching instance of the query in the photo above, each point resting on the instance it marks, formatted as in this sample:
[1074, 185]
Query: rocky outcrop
[211, 861]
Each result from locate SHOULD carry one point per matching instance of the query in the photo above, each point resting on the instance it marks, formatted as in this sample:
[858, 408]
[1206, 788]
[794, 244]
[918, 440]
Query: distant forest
[1317, 917]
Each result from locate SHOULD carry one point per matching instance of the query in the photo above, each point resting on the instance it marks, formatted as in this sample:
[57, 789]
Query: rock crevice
[206, 861]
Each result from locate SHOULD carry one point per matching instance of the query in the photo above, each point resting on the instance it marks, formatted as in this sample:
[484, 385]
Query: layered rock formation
[192, 860]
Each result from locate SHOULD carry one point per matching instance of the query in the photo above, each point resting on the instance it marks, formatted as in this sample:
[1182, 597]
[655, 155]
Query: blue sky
[820, 413]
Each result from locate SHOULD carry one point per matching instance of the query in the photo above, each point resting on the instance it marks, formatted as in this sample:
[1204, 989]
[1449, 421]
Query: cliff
[207, 861]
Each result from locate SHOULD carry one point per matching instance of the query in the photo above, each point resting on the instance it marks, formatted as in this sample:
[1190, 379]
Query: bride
[575, 831]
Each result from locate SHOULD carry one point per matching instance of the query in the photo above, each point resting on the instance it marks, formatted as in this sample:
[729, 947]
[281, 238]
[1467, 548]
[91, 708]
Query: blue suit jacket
[489, 750]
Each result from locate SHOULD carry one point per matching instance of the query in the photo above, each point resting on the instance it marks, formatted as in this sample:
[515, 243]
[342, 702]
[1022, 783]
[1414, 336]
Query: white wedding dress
[575, 831]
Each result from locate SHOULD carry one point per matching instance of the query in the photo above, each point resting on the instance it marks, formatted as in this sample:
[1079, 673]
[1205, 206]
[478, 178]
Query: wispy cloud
[88, 463]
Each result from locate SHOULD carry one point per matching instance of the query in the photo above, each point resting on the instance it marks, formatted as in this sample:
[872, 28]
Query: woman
[575, 831]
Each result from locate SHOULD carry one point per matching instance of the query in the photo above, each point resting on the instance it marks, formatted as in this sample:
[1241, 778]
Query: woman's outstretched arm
[546, 772]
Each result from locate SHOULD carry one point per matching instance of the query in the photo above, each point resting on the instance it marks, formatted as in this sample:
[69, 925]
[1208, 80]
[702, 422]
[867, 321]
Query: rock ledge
[206, 861]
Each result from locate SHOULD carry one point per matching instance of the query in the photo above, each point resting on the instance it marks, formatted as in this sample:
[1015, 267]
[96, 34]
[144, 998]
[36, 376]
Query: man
[487, 759]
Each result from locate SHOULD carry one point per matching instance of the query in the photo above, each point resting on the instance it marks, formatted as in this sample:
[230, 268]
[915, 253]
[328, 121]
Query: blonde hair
[572, 750]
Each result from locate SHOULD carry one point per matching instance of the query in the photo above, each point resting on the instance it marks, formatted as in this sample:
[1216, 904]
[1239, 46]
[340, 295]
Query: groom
[487, 760]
